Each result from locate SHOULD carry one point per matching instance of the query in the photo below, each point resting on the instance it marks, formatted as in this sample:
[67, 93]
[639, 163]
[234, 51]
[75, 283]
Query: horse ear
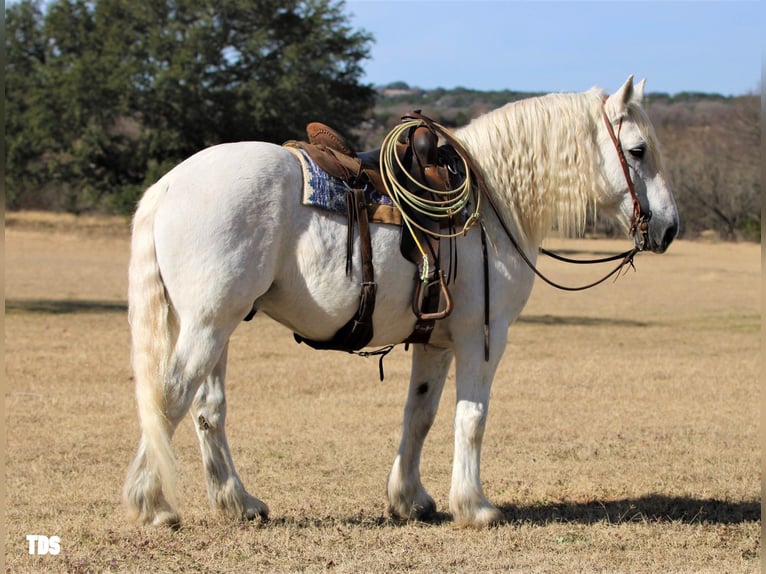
[617, 103]
[638, 92]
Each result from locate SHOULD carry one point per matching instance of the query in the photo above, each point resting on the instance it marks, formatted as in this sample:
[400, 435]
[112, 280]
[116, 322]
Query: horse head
[638, 195]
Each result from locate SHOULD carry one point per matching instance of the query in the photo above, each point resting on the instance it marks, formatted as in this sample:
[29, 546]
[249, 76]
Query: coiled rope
[446, 203]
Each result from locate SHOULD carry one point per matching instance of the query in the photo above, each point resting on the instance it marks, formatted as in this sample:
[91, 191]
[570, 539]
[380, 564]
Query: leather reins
[640, 220]
[639, 226]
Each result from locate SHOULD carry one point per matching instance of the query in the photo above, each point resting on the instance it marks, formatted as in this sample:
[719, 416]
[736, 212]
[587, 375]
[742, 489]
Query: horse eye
[638, 152]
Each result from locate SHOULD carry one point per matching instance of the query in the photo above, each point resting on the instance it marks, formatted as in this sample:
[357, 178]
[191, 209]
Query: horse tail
[150, 487]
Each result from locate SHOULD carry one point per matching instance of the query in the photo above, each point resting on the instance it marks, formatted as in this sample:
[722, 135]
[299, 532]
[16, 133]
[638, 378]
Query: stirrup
[422, 290]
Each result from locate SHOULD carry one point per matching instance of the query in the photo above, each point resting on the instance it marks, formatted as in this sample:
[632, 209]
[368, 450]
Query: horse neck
[540, 160]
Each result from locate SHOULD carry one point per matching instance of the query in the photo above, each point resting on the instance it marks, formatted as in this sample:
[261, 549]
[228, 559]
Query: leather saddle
[428, 167]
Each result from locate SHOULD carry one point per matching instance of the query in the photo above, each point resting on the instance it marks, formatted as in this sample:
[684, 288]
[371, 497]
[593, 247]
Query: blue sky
[564, 46]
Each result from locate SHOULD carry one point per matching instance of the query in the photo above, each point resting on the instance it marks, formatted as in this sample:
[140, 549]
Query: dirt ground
[623, 434]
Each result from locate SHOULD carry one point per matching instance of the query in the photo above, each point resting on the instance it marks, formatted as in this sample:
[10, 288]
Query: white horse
[224, 232]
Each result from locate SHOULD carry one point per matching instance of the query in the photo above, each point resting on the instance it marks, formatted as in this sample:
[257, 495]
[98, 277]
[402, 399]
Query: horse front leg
[225, 490]
[474, 377]
[407, 498]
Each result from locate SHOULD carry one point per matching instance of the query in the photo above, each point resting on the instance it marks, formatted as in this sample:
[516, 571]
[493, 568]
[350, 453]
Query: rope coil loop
[445, 203]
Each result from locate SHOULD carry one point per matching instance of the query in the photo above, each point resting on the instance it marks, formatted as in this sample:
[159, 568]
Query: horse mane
[540, 158]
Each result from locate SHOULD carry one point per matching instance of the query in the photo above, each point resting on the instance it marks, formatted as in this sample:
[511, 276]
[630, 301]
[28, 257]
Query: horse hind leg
[407, 498]
[164, 396]
[149, 492]
[224, 487]
[146, 490]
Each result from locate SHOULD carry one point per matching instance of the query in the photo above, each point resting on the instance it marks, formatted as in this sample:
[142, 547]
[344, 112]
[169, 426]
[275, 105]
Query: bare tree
[712, 152]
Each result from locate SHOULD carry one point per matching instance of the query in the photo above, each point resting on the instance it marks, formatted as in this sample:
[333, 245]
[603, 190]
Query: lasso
[451, 203]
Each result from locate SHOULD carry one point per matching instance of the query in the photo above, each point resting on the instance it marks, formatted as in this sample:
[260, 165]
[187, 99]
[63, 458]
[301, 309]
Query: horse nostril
[670, 235]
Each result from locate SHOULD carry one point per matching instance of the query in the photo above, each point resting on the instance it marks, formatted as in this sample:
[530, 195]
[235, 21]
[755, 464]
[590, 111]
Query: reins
[639, 226]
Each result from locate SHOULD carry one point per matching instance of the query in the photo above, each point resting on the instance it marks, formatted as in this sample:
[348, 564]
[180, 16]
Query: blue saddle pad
[323, 190]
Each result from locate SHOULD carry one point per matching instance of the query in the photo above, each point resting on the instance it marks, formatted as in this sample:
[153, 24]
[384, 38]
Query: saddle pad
[327, 192]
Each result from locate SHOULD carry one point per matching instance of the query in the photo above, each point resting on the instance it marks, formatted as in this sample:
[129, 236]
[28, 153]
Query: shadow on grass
[63, 307]
[652, 508]
[649, 509]
[580, 321]
[73, 306]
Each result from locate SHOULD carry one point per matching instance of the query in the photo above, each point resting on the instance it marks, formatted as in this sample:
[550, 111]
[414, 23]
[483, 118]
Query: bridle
[639, 226]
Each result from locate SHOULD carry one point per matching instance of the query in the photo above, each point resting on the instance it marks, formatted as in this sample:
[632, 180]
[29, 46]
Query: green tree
[25, 120]
[105, 95]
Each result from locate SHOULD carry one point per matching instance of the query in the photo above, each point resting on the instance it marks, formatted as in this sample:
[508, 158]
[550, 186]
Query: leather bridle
[639, 225]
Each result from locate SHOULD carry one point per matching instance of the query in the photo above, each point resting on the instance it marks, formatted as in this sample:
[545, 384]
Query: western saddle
[426, 170]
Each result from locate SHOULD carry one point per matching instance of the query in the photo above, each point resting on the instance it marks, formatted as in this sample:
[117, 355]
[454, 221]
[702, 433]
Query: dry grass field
[623, 435]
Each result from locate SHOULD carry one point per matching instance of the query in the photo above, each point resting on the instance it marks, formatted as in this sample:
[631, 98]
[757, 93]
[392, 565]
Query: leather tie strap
[358, 331]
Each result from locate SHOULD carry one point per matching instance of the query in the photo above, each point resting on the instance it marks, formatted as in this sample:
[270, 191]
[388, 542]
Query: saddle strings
[452, 200]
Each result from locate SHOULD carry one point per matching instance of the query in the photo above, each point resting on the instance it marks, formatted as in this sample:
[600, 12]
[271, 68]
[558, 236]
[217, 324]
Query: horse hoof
[255, 509]
[485, 516]
[425, 510]
[168, 519]
[419, 510]
[489, 516]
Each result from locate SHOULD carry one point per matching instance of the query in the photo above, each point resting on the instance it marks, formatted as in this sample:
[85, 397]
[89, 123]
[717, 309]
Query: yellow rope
[454, 199]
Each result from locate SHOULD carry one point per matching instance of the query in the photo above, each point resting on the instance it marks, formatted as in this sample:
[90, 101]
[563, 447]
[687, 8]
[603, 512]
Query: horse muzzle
[654, 236]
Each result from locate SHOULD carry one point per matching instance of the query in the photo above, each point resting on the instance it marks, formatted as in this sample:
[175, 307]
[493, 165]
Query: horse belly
[313, 295]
